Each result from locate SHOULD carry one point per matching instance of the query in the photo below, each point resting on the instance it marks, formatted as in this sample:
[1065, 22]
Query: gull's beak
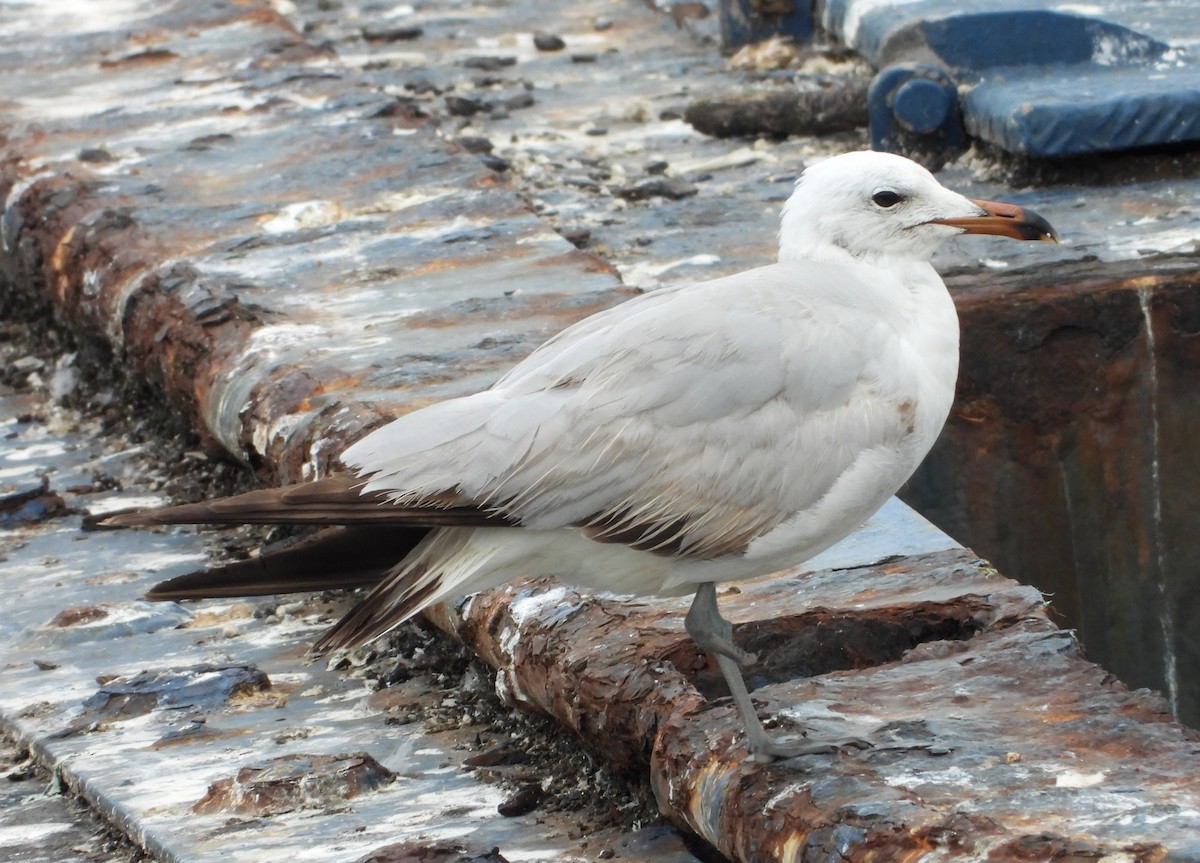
[1004, 220]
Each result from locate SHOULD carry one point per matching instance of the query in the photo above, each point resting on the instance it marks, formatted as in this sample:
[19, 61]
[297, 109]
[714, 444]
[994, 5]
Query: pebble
[581, 183]
[96, 154]
[548, 42]
[489, 64]
[391, 34]
[672, 188]
[499, 755]
[494, 162]
[524, 801]
[475, 144]
[577, 237]
[423, 86]
[461, 106]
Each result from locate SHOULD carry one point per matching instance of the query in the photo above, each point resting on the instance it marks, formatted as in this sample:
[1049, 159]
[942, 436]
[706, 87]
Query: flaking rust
[292, 782]
[989, 733]
[1069, 459]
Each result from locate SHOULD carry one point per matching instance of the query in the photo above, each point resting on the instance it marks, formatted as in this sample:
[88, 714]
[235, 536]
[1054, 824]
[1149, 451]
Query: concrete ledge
[289, 268]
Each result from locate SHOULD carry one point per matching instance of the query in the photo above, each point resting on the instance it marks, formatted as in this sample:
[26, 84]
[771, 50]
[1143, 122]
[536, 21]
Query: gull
[690, 436]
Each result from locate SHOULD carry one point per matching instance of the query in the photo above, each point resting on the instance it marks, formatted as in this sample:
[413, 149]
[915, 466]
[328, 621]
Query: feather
[336, 499]
[336, 557]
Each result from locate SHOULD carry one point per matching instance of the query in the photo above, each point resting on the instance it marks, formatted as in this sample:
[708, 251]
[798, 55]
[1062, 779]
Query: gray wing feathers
[667, 432]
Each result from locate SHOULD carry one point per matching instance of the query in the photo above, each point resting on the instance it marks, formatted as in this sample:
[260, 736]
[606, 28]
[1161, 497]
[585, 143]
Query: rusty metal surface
[146, 710]
[1090, 540]
[992, 737]
[278, 233]
[1072, 444]
[291, 782]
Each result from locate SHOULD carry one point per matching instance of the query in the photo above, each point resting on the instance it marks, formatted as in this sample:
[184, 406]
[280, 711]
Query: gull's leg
[711, 631]
[714, 633]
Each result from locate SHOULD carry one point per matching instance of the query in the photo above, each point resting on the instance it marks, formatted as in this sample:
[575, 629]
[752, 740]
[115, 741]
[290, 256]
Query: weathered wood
[811, 105]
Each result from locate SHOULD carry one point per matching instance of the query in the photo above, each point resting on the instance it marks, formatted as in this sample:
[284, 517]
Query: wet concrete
[286, 302]
[41, 824]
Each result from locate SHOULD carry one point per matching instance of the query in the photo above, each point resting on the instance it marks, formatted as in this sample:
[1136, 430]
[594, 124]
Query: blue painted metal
[921, 105]
[914, 106]
[991, 40]
[1085, 111]
[1037, 77]
[744, 22]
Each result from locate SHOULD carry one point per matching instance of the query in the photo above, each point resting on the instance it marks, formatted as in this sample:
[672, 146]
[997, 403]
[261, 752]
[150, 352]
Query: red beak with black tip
[1004, 220]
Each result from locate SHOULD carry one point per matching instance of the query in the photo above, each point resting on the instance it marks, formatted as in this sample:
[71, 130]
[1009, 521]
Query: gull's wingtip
[119, 520]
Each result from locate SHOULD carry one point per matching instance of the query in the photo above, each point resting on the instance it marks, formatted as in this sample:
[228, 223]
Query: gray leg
[711, 631]
[714, 633]
[762, 747]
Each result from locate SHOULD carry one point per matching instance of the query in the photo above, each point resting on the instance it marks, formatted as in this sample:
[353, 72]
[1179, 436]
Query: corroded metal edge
[990, 733]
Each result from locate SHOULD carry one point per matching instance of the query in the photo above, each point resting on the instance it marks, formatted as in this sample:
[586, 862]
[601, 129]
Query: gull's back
[692, 423]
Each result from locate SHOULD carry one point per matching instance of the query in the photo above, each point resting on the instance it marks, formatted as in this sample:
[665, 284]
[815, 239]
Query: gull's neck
[831, 253]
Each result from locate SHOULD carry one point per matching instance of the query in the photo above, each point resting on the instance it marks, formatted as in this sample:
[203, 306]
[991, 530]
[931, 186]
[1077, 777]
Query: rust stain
[587, 262]
[292, 782]
[1062, 455]
[439, 265]
[623, 675]
[573, 661]
[79, 615]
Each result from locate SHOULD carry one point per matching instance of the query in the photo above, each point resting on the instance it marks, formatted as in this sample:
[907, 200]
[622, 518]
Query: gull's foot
[710, 631]
[779, 750]
[767, 750]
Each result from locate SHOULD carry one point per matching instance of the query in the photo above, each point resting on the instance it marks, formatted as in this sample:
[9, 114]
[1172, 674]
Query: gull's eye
[886, 198]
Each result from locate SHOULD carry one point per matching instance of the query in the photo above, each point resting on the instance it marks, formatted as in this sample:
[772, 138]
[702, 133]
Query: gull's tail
[441, 565]
[333, 558]
[366, 541]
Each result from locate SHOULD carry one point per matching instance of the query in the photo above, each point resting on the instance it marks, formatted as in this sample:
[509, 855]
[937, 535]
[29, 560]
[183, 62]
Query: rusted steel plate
[1072, 444]
[188, 185]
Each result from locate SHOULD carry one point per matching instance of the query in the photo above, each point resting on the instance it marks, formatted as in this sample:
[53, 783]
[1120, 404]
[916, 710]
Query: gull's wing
[337, 499]
[685, 422]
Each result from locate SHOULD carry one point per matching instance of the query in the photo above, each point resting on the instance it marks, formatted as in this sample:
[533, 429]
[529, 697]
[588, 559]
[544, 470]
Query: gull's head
[882, 207]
